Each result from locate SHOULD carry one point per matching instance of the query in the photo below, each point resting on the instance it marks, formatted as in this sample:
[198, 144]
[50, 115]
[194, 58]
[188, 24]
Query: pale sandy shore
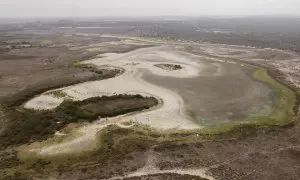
[170, 114]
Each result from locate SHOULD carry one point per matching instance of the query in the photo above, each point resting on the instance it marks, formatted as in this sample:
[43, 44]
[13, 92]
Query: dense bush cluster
[28, 125]
[169, 66]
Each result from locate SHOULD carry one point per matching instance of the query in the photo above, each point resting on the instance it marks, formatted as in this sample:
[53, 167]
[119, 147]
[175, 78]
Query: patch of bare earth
[37, 68]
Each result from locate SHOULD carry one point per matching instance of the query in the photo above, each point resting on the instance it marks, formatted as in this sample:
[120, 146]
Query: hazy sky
[77, 8]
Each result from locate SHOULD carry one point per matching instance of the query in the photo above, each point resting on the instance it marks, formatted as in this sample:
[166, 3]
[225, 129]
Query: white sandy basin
[45, 102]
[170, 114]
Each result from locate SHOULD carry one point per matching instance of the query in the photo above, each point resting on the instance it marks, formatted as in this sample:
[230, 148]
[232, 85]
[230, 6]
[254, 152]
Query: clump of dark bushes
[29, 125]
[169, 66]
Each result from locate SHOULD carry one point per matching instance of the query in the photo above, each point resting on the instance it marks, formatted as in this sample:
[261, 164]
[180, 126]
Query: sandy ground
[171, 114]
[150, 168]
[45, 102]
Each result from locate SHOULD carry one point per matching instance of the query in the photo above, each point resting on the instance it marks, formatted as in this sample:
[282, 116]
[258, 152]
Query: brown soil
[166, 177]
[35, 67]
[26, 72]
[101, 166]
[270, 155]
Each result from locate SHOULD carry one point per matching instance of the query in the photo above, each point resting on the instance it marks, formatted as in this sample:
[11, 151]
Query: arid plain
[117, 106]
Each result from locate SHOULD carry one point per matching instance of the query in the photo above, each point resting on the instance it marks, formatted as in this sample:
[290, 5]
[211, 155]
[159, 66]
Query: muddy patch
[222, 93]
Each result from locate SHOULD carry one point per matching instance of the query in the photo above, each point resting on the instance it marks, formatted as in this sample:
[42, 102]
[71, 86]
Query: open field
[80, 105]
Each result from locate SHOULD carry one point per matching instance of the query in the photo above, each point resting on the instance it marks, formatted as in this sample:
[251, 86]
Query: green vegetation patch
[169, 66]
[89, 67]
[58, 94]
[284, 101]
[119, 152]
[29, 125]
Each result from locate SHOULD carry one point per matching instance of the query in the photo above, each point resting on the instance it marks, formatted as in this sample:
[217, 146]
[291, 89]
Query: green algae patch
[284, 101]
